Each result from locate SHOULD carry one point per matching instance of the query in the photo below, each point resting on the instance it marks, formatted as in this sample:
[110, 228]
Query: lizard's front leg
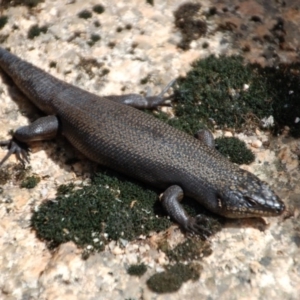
[44, 128]
[171, 199]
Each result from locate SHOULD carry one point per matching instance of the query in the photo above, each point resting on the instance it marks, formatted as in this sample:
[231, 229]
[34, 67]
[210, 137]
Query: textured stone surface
[246, 263]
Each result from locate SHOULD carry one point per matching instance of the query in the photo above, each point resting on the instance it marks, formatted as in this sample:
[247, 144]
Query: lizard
[112, 131]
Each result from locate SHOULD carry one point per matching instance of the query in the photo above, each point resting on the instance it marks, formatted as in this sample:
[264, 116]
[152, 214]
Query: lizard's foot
[198, 225]
[154, 101]
[15, 147]
[171, 199]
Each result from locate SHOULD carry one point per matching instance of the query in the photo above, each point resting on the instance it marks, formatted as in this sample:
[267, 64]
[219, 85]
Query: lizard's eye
[251, 201]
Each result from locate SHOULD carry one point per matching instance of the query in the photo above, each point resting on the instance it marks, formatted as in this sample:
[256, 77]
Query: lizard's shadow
[257, 223]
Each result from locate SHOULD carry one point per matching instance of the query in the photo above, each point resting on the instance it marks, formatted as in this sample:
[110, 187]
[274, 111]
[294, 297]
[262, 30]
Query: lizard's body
[139, 145]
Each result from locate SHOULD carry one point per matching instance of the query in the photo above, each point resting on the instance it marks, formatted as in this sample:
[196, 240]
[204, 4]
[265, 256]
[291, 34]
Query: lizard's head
[249, 197]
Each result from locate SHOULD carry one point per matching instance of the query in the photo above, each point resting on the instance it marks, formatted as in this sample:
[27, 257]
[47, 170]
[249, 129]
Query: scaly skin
[134, 143]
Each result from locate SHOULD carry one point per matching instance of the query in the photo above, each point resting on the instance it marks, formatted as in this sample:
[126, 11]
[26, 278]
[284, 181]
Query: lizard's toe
[199, 225]
[15, 147]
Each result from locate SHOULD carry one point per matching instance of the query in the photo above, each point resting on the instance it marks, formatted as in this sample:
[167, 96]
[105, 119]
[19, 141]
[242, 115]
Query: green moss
[225, 93]
[87, 64]
[94, 38]
[171, 280]
[3, 21]
[30, 182]
[65, 189]
[35, 31]
[97, 24]
[191, 249]
[53, 64]
[111, 45]
[188, 22]
[124, 210]
[213, 93]
[99, 9]
[15, 172]
[145, 80]
[283, 85]
[29, 3]
[5, 175]
[137, 270]
[235, 149]
[85, 14]
[105, 71]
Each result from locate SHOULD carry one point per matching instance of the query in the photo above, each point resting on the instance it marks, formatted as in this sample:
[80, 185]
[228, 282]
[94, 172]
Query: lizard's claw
[15, 147]
[198, 225]
[154, 101]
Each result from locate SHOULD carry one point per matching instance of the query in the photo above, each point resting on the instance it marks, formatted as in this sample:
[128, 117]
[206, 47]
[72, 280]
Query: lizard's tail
[37, 85]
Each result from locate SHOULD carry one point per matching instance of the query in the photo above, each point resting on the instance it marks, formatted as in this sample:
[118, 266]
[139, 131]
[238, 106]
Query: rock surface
[138, 40]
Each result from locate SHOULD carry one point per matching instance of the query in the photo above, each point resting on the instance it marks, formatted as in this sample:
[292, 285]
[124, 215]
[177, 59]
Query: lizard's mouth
[245, 206]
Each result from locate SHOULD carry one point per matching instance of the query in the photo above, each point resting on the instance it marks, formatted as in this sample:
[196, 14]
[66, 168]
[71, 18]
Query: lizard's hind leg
[44, 128]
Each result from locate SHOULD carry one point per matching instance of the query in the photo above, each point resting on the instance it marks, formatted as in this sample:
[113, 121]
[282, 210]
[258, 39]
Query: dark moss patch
[205, 45]
[235, 149]
[105, 71]
[3, 21]
[188, 22]
[53, 64]
[137, 270]
[29, 3]
[111, 44]
[145, 80]
[225, 93]
[97, 24]
[85, 14]
[213, 93]
[65, 189]
[35, 31]
[94, 39]
[16, 173]
[87, 64]
[171, 280]
[99, 9]
[192, 249]
[5, 175]
[124, 210]
[283, 85]
[30, 182]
